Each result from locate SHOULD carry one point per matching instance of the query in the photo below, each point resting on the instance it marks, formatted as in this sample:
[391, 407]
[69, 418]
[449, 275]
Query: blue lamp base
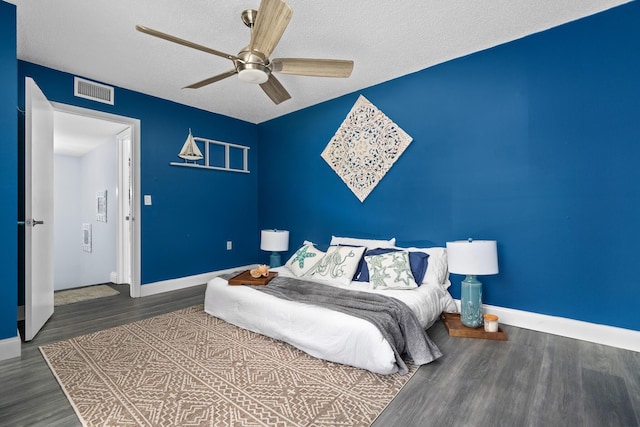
[275, 260]
[471, 302]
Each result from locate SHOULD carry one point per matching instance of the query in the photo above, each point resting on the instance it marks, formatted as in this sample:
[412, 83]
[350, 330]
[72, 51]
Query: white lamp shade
[274, 240]
[473, 257]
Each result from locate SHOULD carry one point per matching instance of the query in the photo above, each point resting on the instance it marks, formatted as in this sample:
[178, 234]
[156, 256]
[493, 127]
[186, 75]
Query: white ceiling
[76, 135]
[386, 39]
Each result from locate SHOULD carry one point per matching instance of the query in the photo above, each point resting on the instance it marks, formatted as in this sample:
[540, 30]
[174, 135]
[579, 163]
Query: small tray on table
[245, 278]
[454, 326]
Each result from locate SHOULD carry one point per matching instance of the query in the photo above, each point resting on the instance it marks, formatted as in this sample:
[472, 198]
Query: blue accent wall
[9, 171]
[194, 211]
[534, 143]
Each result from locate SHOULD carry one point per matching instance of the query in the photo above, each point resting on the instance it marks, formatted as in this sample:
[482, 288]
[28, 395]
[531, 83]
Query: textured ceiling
[386, 39]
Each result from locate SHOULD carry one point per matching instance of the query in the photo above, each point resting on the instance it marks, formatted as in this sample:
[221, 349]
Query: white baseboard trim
[627, 339]
[185, 282]
[10, 347]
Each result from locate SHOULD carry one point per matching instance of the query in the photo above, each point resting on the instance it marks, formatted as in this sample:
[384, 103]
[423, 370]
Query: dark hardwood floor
[533, 379]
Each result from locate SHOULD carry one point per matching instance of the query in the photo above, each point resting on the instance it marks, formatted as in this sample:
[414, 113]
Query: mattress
[318, 331]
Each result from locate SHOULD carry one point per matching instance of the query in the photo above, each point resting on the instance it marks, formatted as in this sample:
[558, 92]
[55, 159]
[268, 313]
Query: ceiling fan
[252, 63]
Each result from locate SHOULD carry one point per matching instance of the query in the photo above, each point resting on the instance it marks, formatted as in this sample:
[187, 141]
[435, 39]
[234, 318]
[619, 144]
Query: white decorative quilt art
[365, 147]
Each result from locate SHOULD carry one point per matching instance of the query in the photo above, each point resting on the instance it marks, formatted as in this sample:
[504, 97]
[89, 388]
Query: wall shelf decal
[365, 147]
[217, 155]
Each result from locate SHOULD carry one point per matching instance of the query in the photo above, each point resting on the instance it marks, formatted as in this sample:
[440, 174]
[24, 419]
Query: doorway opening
[101, 151]
[39, 192]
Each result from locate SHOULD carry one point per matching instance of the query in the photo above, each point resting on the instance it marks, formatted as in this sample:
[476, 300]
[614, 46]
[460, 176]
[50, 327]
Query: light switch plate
[147, 199]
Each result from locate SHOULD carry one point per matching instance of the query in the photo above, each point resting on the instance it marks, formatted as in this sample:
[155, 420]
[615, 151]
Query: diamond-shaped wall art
[365, 147]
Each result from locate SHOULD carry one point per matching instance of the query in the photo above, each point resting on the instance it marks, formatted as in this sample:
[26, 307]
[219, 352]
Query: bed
[325, 333]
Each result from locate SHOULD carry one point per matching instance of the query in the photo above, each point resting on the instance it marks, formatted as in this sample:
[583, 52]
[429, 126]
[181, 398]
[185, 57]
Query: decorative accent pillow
[418, 262]
[304, 259]
[438, 269]
[339, 264]
[324, 247]
[390, 271]
[368, 243]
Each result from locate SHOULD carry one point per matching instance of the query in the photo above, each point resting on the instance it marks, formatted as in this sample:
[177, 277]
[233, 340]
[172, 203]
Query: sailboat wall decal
[190, 150]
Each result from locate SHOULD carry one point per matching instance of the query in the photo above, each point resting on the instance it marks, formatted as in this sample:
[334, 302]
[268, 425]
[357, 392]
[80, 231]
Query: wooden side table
[456, 329]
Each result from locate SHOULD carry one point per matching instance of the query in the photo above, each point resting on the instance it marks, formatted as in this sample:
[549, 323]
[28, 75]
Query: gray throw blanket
[395, 320]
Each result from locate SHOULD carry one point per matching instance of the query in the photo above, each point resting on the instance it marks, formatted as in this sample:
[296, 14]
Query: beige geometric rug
[82, 294]
[187, 368]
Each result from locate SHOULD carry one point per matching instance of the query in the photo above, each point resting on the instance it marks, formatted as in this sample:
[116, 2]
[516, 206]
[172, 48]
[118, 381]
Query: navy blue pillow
[418, 261]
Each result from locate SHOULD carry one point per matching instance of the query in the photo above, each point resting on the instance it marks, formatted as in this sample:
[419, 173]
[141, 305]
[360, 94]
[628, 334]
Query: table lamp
[275, 241]
[472, 258]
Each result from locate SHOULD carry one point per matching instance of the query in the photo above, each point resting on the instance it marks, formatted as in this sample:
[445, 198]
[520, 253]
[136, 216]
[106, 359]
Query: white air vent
[92, 90]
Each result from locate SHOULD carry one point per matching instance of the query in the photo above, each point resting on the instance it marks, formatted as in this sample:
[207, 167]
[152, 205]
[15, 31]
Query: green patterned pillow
[390, 271]
[339, 264]
[304, 259]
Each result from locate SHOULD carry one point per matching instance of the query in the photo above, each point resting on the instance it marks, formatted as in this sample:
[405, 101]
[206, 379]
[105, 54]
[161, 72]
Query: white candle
[490, 323]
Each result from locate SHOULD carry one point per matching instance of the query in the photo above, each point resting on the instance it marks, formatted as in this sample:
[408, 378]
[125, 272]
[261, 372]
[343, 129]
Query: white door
[38, 304]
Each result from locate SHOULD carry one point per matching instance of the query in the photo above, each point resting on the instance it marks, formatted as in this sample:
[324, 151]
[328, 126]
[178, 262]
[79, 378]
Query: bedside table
[456, 329]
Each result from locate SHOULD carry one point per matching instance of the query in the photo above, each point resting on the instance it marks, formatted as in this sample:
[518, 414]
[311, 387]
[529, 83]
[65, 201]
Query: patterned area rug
[82, 294]
[187, 368]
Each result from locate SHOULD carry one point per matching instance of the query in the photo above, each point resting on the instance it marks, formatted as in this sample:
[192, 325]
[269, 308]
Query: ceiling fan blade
[211, 80]
[312, 67]
[183, 42]
[274, 90]
[271, 21]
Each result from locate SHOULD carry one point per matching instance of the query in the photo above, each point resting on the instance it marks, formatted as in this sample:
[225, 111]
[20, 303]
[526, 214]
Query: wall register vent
[91, 90]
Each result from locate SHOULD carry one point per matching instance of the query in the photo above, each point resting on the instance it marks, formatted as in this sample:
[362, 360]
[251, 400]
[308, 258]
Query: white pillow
[390, 271]
[437, 268]
[367, 243]
[304, 259]
[339, 264]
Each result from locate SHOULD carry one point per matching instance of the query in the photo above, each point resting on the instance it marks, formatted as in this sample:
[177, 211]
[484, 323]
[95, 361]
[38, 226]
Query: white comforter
[318, 331]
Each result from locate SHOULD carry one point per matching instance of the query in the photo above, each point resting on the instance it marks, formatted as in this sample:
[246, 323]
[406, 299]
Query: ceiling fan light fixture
[253, 75]
[252, 64]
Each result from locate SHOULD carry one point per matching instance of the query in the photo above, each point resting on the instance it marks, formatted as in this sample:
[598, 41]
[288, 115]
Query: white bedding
[318, 331]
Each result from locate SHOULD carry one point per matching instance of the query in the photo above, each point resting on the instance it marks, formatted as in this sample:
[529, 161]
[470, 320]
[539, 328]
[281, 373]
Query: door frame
[134, 124]
[124, 195]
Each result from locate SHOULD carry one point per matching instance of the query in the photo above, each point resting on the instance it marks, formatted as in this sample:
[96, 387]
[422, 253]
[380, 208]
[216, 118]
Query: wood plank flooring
[533, 379]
